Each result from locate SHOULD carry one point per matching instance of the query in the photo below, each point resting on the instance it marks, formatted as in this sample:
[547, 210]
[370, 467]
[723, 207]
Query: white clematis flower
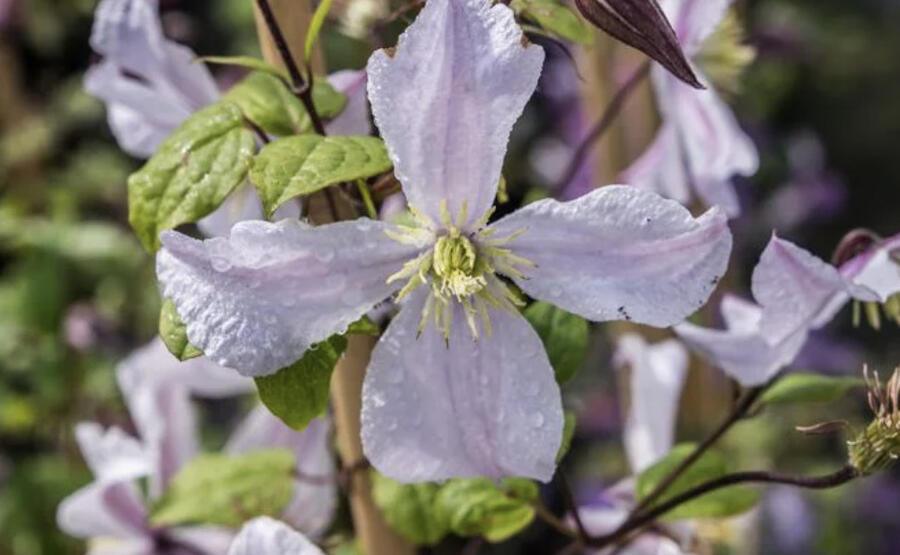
[112, 513]
[460, 384]
[796, 293]
[267, 536]
[700, 145]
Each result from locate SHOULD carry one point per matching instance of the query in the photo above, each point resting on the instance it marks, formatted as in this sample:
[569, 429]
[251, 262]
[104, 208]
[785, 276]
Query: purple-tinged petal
[434, 410]
[740, 315]
[143, 112]
[354, 119]
[242, 205]
[661, 168]
[259, 299]
[619, 253]
[446, 100]
[744, 355]
[112, 455]
[264, 535]
[157, 389]
[795, 289]
[875, 275]
[315, 498]
[694, 20]
[204, 540]
[657, 376]
[702, 135]
[103, 509]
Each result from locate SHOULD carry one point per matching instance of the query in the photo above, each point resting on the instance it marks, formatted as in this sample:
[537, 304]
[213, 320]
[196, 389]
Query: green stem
[366, 196]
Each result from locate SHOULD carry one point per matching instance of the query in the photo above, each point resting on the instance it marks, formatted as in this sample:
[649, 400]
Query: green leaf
[304, 164]
[477, 507]
[725, 502]
[410, 509]
[298, 393]
[268, 102]
[315, 25]
[227, 490]
[248, 62]
[172, 331]
[556, 18]
[191, 173]
[565, 337]
[568, 433]
[364, 326]
[809, 388]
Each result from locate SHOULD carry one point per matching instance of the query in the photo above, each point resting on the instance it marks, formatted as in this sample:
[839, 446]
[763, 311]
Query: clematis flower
[264, 535]
[459, 385]
[151, 84]
[699, 145]
[796, 293]
[113, 513]
[658, 372]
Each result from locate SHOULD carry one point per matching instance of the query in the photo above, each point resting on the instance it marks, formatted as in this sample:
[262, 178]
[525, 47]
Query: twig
[554, 521]
[605, 121]
[569, 499]
[736, 414]
[842, 476]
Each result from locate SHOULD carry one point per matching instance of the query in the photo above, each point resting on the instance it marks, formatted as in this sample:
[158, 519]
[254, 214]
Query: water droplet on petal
[556, 291]
[220, 263]
[537, 420]
[352, 297]
[324, 254]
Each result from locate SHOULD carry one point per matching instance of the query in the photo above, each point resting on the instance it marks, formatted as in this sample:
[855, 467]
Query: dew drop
[220, 264]
[352, 297]
[324, 254]
[556, 291]
[392, 425]
[537, 420]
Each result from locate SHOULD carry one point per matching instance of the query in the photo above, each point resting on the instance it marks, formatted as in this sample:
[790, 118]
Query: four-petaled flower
[700, 144]
[459, 384]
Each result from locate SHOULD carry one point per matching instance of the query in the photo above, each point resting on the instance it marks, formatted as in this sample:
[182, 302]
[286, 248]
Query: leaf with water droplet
[267, 101]
[191, 174]
[565, 337]
[227, 490]
[304, 164]
[173, 333]
[299, 393]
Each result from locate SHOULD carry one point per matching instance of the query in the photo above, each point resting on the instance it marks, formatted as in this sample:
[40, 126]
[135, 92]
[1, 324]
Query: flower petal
[446, 100]
[661, 167]
[313, 504]
[242, 205]
[103, 509]
[875, 275]
[702, 135]
[142, 113]
[795, 289]
[264, 535]
[740, 315]
[354, 119]
[619, 253]
[202, 539]
[112, 455]
[746, 356]
[256, 301]
[434, 410]
[657, 376]
[694, 20]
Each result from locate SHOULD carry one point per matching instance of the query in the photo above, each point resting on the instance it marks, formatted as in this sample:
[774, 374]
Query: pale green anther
[724, 55]
[460, 268]
[873, 315]
[892, 308]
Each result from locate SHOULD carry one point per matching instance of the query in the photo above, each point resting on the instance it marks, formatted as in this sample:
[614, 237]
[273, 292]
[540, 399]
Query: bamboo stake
[373, 533]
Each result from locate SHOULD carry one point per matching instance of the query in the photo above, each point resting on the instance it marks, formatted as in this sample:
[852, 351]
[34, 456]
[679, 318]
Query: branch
[842, 476]
[569, 500]
[736, 414]
[604, 123]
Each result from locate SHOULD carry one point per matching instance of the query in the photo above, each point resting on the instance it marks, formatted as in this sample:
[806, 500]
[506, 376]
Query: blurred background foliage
[77, 292]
